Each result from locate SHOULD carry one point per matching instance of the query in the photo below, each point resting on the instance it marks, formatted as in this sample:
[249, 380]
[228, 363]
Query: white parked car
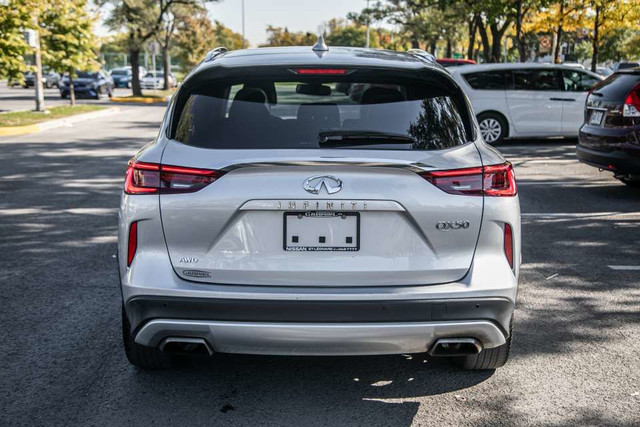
[149, 81]
[526, 100]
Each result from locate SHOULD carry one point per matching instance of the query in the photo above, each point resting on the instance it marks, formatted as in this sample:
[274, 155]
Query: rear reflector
[133, 242]
[331, 71]
[508, 244]
[495, 180]
[152, 178]
[631, 106]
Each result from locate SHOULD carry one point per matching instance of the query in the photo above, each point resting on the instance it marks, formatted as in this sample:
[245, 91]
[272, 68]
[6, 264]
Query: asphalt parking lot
[575, 357]
[18, 98]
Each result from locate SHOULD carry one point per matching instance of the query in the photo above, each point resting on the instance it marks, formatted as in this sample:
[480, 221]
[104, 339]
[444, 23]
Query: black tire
[141, 356]
[633, 183]
[493, 127]
[490, 358]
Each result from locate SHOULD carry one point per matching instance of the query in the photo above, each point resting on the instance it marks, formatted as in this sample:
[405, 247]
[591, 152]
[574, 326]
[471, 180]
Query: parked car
[151, 81]
[526, 100]
[454, 62]
[49, 79]
[610, 136]
[122, 76]
[604, 71]
[274, 215]
[88, 83]
[624, 66]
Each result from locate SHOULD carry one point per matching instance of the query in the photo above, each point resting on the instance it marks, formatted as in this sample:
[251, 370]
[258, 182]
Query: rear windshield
[120, 72]
[336, 114]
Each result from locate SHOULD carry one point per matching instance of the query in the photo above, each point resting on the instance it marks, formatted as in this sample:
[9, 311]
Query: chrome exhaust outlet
[447, 347]
[186, 345]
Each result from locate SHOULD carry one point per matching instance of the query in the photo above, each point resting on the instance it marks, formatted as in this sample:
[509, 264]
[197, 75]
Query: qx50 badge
[314, 184]
[452, 225]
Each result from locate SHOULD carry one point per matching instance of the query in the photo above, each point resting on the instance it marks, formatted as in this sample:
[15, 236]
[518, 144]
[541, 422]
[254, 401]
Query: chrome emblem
[314, 184]
[452, 225]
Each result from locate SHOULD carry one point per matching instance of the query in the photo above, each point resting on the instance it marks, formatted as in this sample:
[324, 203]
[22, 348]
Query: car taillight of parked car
[153, 178]
[631, 106]
[494, 180]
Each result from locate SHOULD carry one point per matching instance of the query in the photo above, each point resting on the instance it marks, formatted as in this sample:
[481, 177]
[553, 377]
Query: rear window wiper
[361, 137]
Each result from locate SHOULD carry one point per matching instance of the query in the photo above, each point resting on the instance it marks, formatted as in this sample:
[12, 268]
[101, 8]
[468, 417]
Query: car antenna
[320, 45]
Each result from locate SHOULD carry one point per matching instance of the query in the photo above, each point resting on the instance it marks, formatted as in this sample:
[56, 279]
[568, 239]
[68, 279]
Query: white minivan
[526, 100]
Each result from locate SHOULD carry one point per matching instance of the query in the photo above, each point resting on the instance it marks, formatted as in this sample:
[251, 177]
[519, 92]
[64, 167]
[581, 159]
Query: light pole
[368, 20]
[243, 46]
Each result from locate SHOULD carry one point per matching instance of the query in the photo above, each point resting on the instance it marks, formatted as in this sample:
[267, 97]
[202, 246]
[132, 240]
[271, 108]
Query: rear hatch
[604, 112]
[317, 187]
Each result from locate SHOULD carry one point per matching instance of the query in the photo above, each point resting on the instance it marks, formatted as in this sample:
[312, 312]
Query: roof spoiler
[422, 54]
[215, 52]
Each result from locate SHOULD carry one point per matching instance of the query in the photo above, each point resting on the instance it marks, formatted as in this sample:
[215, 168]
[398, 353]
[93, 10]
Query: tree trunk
[72, 92]
[519, 41]
[596, 27]
[496, 45]
[556, 53]
[433, 45]
[473, 28]
[415, 44]
[449, 53]
[167, 67]
[134, 55]
[486, 47]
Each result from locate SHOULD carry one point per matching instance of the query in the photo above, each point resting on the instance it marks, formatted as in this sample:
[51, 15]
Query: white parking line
[578, 214]
[625, 267]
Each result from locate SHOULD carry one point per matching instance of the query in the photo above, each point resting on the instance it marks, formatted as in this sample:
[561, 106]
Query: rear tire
[633, 183]
[493, 127]
[489, 358]
[141, 356]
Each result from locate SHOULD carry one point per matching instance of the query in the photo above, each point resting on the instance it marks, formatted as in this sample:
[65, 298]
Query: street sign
[30, 37]
[545, 43]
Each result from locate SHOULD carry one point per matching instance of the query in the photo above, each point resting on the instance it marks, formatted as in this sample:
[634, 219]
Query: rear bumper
[319, 339]
[618, 161]
[319, 327]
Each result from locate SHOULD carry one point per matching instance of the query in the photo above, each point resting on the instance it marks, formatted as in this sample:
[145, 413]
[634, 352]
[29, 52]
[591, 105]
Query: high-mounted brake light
[152, 178]
[133, 242]
[332, 71]
[508, 244]
[495, 180]
[631, 106]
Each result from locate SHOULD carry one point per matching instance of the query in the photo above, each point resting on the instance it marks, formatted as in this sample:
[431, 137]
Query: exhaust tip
[448, 347]
[186, 345]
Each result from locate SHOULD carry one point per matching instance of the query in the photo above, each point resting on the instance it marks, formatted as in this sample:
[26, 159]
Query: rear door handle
[562, 99]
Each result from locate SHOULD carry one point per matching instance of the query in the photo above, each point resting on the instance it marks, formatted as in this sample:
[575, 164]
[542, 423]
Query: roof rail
[215, 52]
[422, 54]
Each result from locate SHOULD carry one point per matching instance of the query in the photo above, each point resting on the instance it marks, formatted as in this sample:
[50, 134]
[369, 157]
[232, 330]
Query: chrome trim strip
[319, 339]
[322, 205]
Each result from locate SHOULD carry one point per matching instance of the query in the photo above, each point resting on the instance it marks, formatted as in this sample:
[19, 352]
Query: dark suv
[610, 136]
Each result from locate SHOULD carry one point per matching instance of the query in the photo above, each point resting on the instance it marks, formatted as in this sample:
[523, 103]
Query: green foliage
[583, 51]
[67, 40]
[14, 17]
[279, 36]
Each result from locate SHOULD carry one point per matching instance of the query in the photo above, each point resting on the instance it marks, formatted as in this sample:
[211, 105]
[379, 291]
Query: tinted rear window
[300, 114]
[535, 80]
[616, 86]
[486, 80]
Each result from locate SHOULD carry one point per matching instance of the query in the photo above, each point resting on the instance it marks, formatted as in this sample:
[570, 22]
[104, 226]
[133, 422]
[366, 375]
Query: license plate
[596, 117]
[321, 231]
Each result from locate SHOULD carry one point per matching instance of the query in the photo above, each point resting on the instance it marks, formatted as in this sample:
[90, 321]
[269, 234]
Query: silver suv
[314, 201]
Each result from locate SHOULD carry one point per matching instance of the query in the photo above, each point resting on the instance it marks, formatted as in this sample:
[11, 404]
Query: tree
[610, 16]
[68, 41]
[14, 17]
[278, 36]
[143, 20]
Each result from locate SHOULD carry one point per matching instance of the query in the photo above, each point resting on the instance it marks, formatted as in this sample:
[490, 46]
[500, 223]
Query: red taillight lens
[631, 106]
[150, 178]
[133, 242]
[500, 180]
[496, 180]
[508, 244]
[331, 71]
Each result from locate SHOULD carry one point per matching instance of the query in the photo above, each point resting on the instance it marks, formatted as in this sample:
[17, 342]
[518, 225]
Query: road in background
[18, 98]
[574, 358]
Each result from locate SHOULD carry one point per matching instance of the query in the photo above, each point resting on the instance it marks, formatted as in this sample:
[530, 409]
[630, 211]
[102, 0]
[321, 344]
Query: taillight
[508, 244]
[317, 71]
[495, 180]
[631, 106]
[151, 178]
[133, 242]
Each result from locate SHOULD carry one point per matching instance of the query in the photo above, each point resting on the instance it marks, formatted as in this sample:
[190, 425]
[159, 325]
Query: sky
[296, 15]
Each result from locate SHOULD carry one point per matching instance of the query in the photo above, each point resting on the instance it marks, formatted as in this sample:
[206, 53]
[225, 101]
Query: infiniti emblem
[314, 184]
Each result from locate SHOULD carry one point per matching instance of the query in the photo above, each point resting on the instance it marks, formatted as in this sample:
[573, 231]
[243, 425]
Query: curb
[141, 100]
[52, 124]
